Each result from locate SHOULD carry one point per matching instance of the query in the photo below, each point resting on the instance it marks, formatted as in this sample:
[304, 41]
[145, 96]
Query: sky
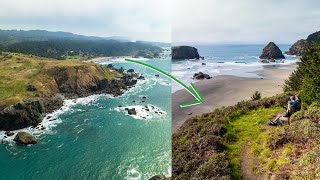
[136, 19]
[243, 21]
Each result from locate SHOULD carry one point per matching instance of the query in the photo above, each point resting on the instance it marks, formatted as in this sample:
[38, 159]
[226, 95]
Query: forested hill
[13, 36]
[61, 45]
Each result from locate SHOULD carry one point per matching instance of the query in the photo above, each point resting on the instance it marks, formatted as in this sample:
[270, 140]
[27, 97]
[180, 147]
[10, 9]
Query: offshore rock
[271, 51]
[184, 52]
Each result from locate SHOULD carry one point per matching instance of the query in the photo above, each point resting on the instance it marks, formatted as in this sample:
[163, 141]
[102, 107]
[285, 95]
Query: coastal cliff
[32, 87]
[299, 47]
[184, 52]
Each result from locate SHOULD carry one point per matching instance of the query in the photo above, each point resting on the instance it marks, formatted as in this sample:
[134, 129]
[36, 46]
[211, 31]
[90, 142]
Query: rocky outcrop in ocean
[184, 52]
[25, 138]
[271, 51]
[201, 75]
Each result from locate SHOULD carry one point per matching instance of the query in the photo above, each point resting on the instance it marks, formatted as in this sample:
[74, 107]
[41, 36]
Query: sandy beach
[98, 59]
[228, 90]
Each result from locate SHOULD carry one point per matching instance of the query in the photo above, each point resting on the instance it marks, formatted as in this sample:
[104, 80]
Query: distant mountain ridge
[6, 37]
[61, 45]
[40, 35]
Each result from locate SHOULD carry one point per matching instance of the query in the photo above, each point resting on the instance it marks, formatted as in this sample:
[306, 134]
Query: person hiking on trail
[285, 119]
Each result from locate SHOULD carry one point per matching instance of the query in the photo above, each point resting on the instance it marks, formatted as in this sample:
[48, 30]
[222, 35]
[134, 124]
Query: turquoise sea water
[93, 139]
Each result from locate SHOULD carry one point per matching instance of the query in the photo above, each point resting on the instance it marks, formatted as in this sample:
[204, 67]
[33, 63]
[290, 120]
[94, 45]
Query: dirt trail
[248, 161]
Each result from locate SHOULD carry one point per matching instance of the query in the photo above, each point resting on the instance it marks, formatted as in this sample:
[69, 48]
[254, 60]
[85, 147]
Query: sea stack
[298, 48]
[184, 52]
[271, 51]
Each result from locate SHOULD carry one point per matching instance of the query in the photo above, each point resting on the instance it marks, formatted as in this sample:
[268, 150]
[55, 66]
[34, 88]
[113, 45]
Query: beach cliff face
[54, 83]
[184, 52]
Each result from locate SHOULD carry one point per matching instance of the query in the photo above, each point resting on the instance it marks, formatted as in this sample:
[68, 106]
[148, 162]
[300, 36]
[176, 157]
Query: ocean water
[237, 60]
[94, 138]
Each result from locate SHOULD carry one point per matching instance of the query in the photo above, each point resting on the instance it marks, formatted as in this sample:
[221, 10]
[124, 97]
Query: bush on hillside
[256, 96]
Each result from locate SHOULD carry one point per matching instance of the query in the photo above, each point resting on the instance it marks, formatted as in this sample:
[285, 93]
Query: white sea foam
[143, 112]
[186, 69]
[133, 174]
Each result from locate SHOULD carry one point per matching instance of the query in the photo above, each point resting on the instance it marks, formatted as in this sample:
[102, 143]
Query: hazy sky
[243, 21]
[137, 19]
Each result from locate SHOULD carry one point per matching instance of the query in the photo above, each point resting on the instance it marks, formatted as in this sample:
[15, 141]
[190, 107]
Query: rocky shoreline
[30, 112]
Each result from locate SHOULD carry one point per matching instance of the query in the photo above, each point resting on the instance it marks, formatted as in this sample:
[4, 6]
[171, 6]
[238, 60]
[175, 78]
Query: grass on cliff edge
[242, 130]
[17, 71]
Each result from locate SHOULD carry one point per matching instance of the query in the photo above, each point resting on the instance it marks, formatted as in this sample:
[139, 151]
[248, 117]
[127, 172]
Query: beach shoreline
[227, 90]
[99, 59]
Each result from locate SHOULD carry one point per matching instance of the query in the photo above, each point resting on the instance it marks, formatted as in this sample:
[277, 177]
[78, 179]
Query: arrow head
[194, 91]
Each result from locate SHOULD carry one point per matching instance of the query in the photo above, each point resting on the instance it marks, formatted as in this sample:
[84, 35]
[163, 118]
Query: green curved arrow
[193, 90]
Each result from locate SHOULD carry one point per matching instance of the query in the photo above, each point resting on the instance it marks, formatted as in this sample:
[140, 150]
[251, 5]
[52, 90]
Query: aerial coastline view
[71, 107]
[259, 117]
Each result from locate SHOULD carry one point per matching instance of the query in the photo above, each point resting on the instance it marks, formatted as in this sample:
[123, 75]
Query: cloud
[250, 21]
[139, 19]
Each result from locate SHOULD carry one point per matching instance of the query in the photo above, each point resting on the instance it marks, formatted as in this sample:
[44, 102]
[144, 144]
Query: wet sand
[228, 90]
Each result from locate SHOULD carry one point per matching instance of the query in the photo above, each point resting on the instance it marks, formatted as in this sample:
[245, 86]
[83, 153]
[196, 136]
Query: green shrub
[313, 113]
[308, 158]
[217, 167]
[297, 116]
[256, 96]
[276, 138]
[272, 165]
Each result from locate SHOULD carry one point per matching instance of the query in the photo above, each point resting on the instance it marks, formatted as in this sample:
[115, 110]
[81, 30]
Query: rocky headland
[184, 52]
[299, 47]
[32, 87]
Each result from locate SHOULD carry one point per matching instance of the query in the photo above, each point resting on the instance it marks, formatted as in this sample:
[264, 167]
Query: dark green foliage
[198, 144]
[59, 49]
[314, 37]
[294, 82]
[256, 95]
[307, 76]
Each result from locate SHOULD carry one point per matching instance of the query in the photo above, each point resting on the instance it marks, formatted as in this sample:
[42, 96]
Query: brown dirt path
[248, 161]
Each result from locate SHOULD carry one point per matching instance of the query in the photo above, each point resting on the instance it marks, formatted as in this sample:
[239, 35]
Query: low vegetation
[211, 135]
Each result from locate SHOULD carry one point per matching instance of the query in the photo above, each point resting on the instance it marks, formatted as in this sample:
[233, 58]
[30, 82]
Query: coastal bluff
[52, 81]
[184, 52]
[299, 47]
